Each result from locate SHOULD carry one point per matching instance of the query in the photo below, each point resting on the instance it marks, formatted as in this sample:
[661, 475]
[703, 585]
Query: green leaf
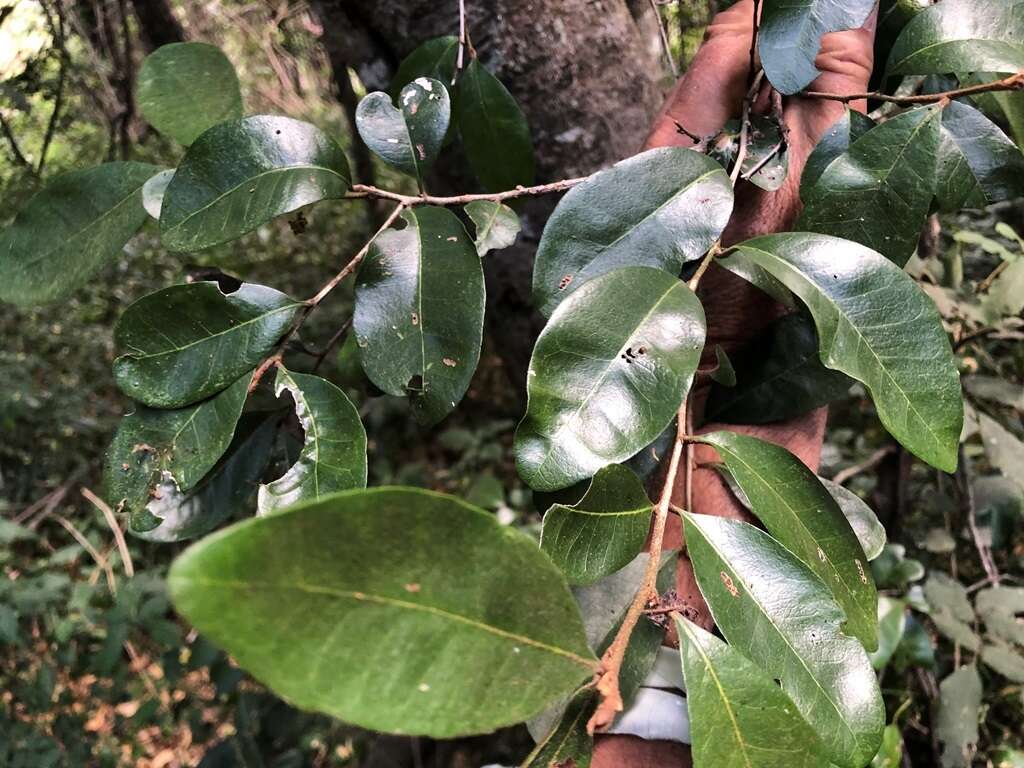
[724, 374]
[879, 191]
[999, 608]
[766, 163]
[865, 523]
[772, 609]
[942, 592]
[802, 516]
[464, 628]
[892, 624]
[876, 326]
[1004, 660]
[996, 390]
[186, 342]
[662, 208]
[890, 754]
[961, 36]
[791, 32]
[333, 456]
[494, 131]
[1005, 450]
[226, 492]
[835, 143]
[1000, 507]
[154, 448]
[892, 569]
[435, 58]
[568, 743]
[959, 712]
[1007, 757]
[608, 373]
[780, 377]
[153, 192]
[185, 88]
[496, 224]
[70, 230]
[738, 714]
[241, 174]
[419, 311]
[407, 137]
[978, 164]
[603, 532]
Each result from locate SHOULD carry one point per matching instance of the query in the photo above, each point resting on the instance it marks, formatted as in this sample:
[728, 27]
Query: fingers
[632, 752]
[711, 92]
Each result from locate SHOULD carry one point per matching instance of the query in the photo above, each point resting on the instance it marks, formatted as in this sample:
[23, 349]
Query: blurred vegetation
[95, 669]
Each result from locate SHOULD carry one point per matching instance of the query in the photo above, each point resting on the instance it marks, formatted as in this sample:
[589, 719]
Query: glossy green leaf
[791, 32]
[227, 491]
[766, 163]
[155, 448]
[779, 377]
[464, 628]
[419, 311]
[802, 516]
[959, 713]
[879, 191]
[961, 36]
[603, 532]
[184, 343]
[772, 609]
[185, 88]
[739, 717]
[892, 624]
[74, 227]
[916, 649]
[435, 58]
[153, 192]
[878, 327]
[494, 131]
[890, 754]
[333, 456]
[608, 373]
[723, 374]
[865, 523]
[407, 137]
[836, 142]
[662, 208]
[241, 174]
[978, 164]
[497, 225]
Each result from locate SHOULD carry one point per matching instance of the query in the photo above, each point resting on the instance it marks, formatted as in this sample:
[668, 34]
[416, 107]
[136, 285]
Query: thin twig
[363, 191]
[108, 515]
[969, 507]
[338, 335]
[871, 461]
[1011, 83]
[58, 32]
[16, 152]
[744, 148]
[665, 45]
[101, 561]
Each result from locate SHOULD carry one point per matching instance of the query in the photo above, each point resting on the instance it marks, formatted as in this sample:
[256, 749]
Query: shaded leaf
[71, 229]
[779, 377]
[407, 137]
[791, 32]
[333, 456]
[892, 569]
[865, 523]
[153, 192]
[1000, 609]
[603, 532]
[995, 390]
[892, 624]
[464, 628]
[434, 58]
[766, 163]
[496, 224]
[419, 311]
[185, 88]
[890, 754]
[959, 712]
[661, 208]
[738, 714]
[803, 516]
[607, 375]
[835, 143]
[494, 131]
[772, 609]
[878, 327]
[1004, 660]
[942, 592]
[155, 448]
[961, 36]
[184, 343]
[977, 165]
[879, 191]
[999, 502]
[916, 648]
[1005, 450]
[956, 630]
[227, 491]
[243, 173]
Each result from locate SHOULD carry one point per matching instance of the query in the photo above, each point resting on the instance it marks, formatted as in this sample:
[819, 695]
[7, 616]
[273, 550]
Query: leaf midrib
[390, 602]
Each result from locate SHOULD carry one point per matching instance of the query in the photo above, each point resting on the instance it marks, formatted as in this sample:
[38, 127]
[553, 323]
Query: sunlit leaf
[153, 192]
[496, 224]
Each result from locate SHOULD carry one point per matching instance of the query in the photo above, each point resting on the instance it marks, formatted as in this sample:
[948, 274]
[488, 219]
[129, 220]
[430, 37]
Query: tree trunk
[157, 23]
[585, 73]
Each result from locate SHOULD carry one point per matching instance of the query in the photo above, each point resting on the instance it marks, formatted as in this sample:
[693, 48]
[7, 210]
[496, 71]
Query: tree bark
[585, 73]
[157, 23]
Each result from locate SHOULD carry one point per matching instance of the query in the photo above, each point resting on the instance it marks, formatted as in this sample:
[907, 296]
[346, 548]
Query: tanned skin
[706, 97]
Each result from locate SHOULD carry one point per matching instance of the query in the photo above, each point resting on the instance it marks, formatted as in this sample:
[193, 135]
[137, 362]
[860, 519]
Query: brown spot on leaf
[860, 570]
[143, 447]
[420, 149]
[564, 282]
[729, 584]
[453, 239]
[412, 587]
[449, 362]
[415, 319]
